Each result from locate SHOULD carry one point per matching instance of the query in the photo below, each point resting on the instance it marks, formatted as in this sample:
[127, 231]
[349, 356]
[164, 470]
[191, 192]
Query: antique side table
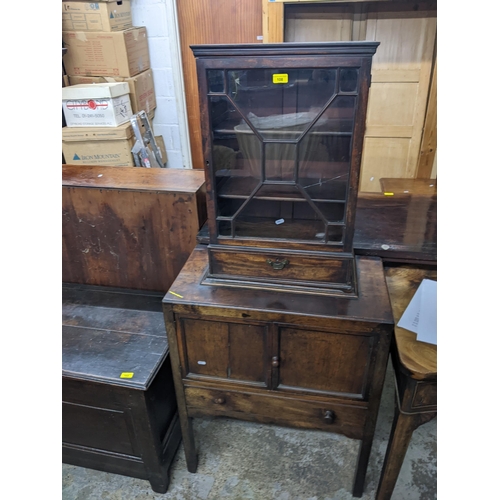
[415, 371]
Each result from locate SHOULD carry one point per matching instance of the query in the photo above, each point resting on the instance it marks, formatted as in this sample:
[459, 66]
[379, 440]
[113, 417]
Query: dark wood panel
[109, 428]
[211, 21]
[142, 179]
[206, 347]
[324, 361]
[130, 238]
[247, 352]
[103, 355]
[397, 228]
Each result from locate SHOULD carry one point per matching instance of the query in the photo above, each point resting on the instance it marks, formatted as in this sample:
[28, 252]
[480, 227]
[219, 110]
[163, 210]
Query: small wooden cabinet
[282, 128]
[312, 362]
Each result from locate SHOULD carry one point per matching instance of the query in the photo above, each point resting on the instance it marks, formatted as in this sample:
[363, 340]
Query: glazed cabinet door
[235, 352]
[325, 362]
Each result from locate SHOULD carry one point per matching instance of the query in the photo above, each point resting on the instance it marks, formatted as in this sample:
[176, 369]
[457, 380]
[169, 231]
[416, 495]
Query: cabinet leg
[189, 445]
[403, 426]
[362, 466]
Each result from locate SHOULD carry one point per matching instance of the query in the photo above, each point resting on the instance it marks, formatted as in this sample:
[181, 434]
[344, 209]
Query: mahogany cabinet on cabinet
[306, 361]
[282, 128]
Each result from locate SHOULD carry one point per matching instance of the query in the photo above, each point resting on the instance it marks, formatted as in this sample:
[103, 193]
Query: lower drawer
[275, 409]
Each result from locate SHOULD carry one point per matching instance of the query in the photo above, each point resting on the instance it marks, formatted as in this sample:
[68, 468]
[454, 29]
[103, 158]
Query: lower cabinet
[312, 362]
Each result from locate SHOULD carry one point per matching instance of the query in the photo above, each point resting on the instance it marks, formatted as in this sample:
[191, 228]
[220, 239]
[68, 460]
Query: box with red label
[97, 104]
[142, 90]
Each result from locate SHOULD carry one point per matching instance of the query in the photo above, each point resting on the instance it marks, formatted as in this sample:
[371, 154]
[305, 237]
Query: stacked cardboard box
[103, 47]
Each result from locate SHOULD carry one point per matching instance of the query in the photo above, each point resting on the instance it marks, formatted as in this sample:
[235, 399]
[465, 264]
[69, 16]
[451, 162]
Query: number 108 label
[280, 78]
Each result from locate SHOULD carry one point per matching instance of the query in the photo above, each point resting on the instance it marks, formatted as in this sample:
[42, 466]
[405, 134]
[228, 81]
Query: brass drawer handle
[329, 416]
[277, 264]
[219, 401]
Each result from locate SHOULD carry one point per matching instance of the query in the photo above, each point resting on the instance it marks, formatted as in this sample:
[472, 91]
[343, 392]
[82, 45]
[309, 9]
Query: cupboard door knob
[329, 416]
[275, 361]
[219, 401]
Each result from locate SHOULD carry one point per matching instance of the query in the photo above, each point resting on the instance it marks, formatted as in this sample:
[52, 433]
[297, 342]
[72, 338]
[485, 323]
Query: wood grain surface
[419, 358]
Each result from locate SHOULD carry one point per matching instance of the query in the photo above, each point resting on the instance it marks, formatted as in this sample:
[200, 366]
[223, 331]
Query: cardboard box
[98, 53]
[96, 105]
[142, 90]
[102, 146]
[99, 146]
[104, 15]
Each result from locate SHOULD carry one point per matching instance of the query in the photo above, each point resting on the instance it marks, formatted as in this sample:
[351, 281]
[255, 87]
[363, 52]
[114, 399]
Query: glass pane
[280, 162]
[279, 219]
[215, 79]
[325, 152]
[281, 104]
[235, 153]
[348, 80]
[335, 234]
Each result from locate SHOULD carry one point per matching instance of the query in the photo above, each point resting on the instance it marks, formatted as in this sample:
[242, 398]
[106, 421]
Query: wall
[160, 19]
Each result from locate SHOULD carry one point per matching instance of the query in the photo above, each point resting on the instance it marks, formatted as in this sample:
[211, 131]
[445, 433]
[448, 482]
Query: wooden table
[415, 370]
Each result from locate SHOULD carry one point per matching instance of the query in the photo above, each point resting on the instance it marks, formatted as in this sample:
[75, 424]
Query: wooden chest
[315, 362]
[129, 227]
[119, 412]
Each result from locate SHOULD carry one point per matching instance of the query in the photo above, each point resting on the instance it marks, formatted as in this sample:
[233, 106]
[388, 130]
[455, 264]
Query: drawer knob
[329, 416]
[275, 361]
[277, 264]
[219, 401]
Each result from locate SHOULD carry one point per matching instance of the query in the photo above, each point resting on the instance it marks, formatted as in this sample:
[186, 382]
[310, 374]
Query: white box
[96, 105]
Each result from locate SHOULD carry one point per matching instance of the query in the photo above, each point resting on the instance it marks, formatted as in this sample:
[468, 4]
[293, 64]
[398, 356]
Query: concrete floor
[247, 461]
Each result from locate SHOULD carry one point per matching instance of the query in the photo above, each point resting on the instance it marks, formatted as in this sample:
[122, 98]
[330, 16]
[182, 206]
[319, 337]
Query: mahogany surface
[129, 227]
[397, 228]
[415, 370]
[277, 357]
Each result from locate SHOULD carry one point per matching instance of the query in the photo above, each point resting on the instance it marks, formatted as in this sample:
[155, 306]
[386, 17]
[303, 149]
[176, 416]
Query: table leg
[403, 426]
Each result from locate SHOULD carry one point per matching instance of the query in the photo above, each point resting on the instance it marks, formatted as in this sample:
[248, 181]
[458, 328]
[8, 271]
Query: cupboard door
[233, 351]
[399, 90]
[324, 362]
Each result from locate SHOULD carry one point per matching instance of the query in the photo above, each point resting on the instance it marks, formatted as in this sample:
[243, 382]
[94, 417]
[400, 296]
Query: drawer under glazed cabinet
[311, 362]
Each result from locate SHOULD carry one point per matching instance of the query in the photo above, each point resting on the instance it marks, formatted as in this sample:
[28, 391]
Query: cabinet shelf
[321, 191]
[293, 230]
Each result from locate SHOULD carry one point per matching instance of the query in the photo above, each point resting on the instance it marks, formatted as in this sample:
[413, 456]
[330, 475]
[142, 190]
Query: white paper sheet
[420, 316]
